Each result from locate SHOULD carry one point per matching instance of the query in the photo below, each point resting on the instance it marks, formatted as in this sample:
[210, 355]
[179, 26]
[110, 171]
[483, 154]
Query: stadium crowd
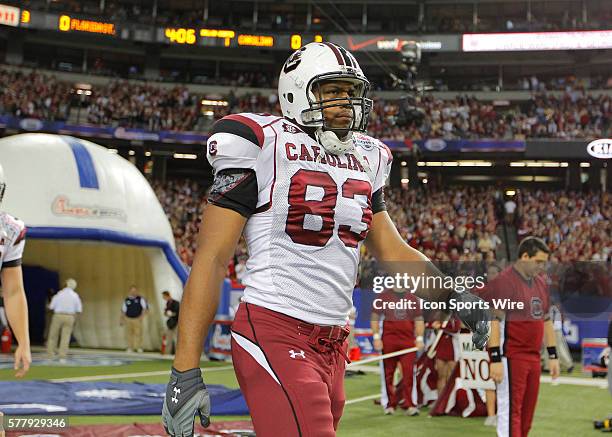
[576, 226]
[576, 114]
[447, 225]
[34, 95]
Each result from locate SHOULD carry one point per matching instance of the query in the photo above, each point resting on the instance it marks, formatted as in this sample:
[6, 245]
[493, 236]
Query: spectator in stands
[133, 311]
[510, 208]
[66, 304]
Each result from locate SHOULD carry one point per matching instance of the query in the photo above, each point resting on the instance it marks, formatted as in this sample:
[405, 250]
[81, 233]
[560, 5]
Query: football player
[306, 190]
[12, 242]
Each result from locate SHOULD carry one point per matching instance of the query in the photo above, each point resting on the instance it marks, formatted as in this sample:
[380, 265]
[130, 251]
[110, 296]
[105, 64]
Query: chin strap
[334, 145]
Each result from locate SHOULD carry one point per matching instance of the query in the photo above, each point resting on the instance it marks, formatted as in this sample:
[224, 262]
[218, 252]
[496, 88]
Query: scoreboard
[75, 25]
[71, 24]
[230, 38]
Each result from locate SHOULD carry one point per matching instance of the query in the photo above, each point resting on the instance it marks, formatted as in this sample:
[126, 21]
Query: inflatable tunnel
[91, 215]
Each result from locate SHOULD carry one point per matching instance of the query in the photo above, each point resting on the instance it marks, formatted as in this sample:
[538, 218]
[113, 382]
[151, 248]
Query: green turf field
[563, 410]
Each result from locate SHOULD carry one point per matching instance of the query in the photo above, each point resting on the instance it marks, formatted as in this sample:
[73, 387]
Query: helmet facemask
[358, 103]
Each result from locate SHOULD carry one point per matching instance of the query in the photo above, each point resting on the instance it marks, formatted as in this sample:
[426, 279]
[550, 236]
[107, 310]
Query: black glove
[186, 395]
[474, 314]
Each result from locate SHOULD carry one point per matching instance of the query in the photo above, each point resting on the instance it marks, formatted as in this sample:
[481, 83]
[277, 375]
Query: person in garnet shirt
[401, 329]
[516, 337]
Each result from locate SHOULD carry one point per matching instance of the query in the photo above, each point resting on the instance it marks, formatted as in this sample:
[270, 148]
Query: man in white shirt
[510, 207]
[66, 304]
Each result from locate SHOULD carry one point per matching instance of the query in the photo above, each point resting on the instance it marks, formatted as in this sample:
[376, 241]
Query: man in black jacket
[171, 311]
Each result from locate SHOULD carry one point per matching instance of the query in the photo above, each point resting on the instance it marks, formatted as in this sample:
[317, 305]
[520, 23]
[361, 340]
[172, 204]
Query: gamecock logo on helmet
[293, 61]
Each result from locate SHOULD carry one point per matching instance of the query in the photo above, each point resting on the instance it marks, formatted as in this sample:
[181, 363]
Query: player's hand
[378, 344]
[186, 396]
[496, 371]
[474, 314]
[554, 368]
[23, 359]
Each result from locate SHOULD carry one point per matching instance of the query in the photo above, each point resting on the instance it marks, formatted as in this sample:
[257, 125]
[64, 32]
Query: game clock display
[231, 38]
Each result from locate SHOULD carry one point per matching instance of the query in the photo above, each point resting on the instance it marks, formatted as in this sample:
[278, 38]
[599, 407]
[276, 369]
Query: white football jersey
[12, 240]
[313, 213]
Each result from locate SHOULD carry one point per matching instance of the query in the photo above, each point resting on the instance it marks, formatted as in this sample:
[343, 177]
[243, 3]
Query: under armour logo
[177, 391]
[295, 354]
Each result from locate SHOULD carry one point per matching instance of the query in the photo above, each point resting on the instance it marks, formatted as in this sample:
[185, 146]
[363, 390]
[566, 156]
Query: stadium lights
[539, 164]
[131, 153]
[475, 164]
[425, 181]
[405, 180]
[404, 163]
[455, 164]
[185, 156]
[585, 164]
[147, 153]
[83, 89]
[206, 102]
[510, 193]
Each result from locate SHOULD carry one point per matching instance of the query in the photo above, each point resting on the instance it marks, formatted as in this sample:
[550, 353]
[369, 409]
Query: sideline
[133, 375]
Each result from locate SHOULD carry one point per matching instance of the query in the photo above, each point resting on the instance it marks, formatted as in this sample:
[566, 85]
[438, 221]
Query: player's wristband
[419, 338]
[495, 354]
[552, 353]
[376, 336]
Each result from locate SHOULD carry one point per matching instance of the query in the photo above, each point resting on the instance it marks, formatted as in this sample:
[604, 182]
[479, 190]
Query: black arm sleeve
[378, 201]
[13, 263]
[610, 334]
[236, 189]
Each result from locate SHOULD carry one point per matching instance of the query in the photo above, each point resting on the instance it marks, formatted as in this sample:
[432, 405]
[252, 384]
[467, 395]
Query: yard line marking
[570, 380]
[363, 398]
[133, 375]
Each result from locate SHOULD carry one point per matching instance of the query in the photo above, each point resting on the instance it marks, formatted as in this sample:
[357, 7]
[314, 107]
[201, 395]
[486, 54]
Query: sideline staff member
[514, 346]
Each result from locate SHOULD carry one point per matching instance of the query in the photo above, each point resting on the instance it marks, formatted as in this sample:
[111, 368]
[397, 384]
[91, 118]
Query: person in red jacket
[517, 334]
[402, 328]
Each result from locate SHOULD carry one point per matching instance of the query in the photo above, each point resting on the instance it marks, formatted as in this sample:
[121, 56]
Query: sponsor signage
[387, 43]
[505, 42]
[568, 149]
[9, 15]
[601, 149]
